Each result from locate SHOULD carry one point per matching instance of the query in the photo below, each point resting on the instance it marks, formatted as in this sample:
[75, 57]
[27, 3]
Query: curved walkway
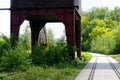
[100, 67]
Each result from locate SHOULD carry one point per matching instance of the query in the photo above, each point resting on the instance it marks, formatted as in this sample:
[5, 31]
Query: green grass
[59, 71]
[117, 57]
[50, 73]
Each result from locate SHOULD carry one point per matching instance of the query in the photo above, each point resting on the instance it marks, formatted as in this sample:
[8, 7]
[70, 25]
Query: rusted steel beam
[4, 8]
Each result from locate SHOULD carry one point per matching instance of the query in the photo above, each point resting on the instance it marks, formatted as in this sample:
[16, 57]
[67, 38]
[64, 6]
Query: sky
[57, 28]
[85, 5]
[88, 4]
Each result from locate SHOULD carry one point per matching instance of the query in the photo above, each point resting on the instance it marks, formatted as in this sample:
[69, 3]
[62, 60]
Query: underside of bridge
[39, 16]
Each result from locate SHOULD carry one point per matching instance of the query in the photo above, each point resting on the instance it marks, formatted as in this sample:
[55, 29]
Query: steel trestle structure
[39, 12]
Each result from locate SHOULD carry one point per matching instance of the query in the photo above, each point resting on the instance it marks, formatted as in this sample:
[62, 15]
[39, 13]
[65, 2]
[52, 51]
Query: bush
[15, 59]
[86, 56]
[52, 54]
[4, 44]
[38, 54]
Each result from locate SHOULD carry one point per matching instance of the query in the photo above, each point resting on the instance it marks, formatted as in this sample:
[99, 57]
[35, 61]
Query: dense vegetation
[45, 63]
[101, 30]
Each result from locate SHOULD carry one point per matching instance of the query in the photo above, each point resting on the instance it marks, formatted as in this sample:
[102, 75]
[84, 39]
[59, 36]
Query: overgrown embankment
[46, 63]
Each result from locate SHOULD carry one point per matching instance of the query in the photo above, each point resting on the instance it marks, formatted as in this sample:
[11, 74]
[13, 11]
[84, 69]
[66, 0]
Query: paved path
[100, 67]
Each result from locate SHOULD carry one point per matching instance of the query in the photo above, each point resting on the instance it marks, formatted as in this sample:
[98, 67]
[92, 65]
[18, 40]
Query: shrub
[38, 54]
[86, 56]
[52, 54]
[15, 59]
[4, 44]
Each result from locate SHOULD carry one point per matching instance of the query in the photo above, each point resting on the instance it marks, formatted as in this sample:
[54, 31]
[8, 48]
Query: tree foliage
[98, 13]
[25, 37]
[100, 30]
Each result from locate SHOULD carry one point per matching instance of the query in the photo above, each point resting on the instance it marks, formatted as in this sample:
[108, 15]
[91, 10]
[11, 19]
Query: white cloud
[5, 22]
[88, 4]
[57, 28]
[5, 3]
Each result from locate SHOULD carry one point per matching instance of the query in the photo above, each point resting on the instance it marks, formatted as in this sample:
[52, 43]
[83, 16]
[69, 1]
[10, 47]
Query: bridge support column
[78, 38]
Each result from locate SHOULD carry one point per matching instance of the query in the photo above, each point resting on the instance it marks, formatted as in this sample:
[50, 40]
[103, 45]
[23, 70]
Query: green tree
[98, 13]
[50, 36]
[25, 37]
[104, 45]
[95, 22]
[86, 29]
[102, 38]
[115, 14]
[99, 31]
[117, 40]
